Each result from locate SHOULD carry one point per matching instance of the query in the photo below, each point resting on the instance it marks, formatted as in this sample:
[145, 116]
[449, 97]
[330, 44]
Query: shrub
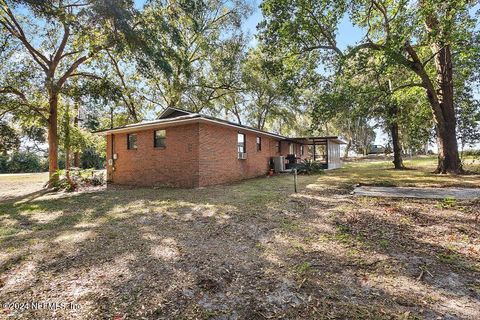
[308, 166]
[3, 164]
[78, 178]
[60, 182]
[91, 159]
[91, 177]
[24, 162]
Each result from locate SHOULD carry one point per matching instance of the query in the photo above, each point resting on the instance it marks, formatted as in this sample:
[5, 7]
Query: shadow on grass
[247, 250]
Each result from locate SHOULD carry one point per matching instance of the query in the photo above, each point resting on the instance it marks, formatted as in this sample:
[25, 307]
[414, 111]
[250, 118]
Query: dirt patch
[20, 185]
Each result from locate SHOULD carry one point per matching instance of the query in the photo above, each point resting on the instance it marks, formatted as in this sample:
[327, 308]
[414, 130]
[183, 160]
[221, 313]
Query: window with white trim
[241, 143]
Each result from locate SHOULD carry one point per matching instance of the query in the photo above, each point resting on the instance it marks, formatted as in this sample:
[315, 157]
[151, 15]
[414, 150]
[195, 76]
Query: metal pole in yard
[295, 179]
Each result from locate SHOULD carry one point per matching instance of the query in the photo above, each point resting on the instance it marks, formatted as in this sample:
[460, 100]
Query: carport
[325, 150]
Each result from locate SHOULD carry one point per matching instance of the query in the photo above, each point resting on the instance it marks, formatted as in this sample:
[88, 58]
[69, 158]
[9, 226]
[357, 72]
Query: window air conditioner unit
[242, 155]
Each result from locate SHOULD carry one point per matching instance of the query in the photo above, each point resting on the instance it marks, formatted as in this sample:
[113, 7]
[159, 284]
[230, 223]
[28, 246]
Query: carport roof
[318, 140]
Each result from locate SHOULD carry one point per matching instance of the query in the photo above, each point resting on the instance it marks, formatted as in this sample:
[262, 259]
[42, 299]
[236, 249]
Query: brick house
[186, 149]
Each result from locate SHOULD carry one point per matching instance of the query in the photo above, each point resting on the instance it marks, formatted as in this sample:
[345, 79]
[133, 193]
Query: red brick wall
[218, 155]
[195, 155]
[175, 165]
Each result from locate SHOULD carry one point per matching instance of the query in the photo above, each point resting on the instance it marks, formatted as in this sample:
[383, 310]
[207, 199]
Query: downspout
[112, 169]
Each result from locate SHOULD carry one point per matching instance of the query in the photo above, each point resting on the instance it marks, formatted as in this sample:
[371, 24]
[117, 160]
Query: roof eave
[148, 125]
[183, 120]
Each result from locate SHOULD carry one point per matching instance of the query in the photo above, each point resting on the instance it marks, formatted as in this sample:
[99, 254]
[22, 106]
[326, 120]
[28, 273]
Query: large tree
[275, 87]
[198, 34]
[421, 36]
[352, 116]
[54, 38]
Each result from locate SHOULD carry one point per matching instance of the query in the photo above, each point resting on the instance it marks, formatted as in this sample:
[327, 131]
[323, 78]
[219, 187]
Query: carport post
[326, 153]
[295, 179]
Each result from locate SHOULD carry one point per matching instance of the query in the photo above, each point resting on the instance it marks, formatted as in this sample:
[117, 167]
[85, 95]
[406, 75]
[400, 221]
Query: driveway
[419, 193]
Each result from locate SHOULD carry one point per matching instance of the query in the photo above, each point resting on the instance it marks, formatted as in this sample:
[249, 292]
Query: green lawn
[419, 173]
[250, 250]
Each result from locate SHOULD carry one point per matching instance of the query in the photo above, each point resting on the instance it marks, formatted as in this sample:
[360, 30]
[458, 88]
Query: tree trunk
[347, 149]
[53, 137]
[448, 156]
[67, 165]
[76, 154]
[66, 146]
[397, 149]
[442, 100]
[441, 103]
[76, 159]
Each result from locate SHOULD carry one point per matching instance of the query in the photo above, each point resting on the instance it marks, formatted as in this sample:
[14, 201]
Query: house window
[132, 141]
[159, 137]
[241, 143]
[259, 143]
[290, 148]
[278, 146]
[302, 149]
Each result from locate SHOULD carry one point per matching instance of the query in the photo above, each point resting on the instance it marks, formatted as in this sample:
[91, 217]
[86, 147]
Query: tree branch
[58, 55]
[17, 31]
[409, 85]
[85, 74]
[24, 100]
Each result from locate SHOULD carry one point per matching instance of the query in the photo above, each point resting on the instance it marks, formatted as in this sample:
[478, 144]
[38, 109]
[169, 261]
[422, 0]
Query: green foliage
[25, 162]
[91, 159]
[472, 152]
[468, 119]
[410, 42]
[448, 202]
[59, 181]
[46, 44]
[340, 109]
[79, 139]
[9, 138]
[77, 179]
[190, 37]
[303, 268]
[3, 163]
[384, 243]
[308, 166]
[275, 89]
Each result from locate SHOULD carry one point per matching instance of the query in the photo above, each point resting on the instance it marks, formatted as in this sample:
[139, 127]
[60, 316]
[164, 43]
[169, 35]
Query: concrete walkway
[421, 193]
